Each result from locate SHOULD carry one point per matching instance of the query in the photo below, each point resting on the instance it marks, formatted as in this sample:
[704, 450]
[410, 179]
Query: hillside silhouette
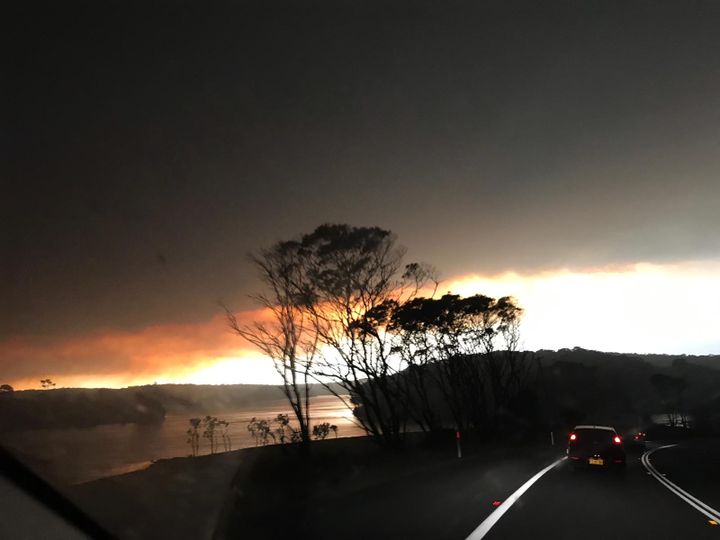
[572, 386]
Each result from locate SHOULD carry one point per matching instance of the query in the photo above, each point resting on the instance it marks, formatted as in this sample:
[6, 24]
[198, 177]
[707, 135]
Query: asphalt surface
[599, 504]
[448, 502]
[564, 503]
[695, 467]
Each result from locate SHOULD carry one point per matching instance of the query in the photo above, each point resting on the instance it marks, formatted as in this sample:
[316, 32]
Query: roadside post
[457, 440]
[552, 438]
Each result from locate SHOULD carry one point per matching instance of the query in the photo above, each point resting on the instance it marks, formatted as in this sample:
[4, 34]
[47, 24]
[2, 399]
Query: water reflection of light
[235, 370]
[83, 454]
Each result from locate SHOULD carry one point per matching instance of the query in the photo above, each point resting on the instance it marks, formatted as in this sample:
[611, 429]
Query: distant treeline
[659, 360]
[572, 386]
[565, 387]
[580, 385]
[83, 407]
[77, 408]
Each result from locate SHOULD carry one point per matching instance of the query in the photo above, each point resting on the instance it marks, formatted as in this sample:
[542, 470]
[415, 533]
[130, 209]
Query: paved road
[594, 504]
[695, 467]
[448, 502]
[590, 504]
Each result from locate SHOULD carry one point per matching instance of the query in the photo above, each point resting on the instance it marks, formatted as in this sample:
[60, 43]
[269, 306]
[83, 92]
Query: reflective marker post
[457, 440]
[552, 439]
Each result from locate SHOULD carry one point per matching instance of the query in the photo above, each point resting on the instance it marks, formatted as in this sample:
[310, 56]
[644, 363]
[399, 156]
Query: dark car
[596, 446]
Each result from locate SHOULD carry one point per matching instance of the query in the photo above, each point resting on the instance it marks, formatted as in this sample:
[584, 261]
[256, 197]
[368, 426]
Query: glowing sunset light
[672, 308]
[248, 369]
[644, 308]
[163, 353]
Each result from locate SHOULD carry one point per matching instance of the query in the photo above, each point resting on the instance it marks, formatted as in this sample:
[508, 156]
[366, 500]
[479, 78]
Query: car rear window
[593, 435]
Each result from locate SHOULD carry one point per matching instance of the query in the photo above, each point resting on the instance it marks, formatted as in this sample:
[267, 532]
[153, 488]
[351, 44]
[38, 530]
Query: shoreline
[179, 497]
[80, 455]
[190, 497]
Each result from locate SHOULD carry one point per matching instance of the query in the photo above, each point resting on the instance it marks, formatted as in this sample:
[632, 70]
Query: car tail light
[617, 440]
[573, 437]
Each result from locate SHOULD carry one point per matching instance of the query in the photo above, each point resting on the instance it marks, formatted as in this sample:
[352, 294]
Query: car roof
[607, 428]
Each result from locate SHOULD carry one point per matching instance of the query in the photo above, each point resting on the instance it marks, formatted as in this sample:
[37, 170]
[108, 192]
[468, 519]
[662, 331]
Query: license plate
[596, 461]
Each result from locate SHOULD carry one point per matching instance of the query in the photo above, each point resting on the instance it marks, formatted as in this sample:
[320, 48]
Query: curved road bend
[453, 501]
[592, 504]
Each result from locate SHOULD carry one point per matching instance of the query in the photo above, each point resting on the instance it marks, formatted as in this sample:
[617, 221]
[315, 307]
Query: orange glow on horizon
[164, 353]
[671, 308]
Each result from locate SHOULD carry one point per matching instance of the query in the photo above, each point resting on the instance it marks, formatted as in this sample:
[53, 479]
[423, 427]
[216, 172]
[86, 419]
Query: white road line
[493, 518]
[696, 503]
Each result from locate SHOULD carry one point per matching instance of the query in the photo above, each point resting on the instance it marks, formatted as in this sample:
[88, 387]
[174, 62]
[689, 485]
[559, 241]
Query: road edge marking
[696, 503]
[495, 516]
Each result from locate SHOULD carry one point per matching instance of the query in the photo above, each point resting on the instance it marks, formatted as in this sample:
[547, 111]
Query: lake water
[80, 455]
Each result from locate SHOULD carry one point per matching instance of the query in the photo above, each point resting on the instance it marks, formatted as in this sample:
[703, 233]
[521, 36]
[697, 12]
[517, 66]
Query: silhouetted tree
[47, 384]
[670, 390]
[6, 389]
[321, 431]
[290, 338]
[284, 432]
[260, 430]
[344, 290]
[353, 280]
[468, 346]
[225, 435]
[193, 435]
[212, 426]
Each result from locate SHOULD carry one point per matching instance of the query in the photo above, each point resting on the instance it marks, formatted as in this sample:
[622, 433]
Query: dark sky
[148, 147]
